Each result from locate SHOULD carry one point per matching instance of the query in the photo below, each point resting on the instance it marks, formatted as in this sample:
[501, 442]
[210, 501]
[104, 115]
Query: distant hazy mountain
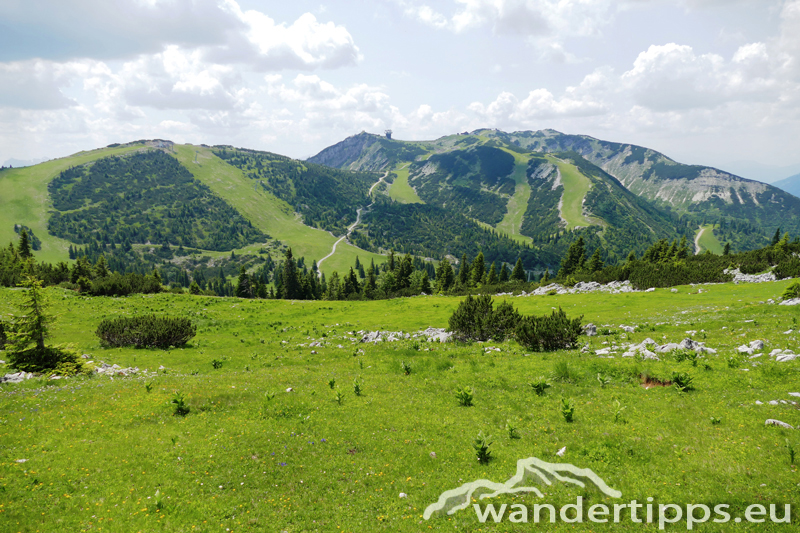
[753, 170]
[790, 184]
[17, 163]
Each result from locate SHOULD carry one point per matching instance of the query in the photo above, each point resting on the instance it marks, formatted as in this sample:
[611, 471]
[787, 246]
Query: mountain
[456, 172]
[790, 185]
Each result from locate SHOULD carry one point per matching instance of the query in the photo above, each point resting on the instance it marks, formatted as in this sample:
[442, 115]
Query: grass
[400, 190]
[518, 203]
[709, 241]
[576, 185]
[25, 199]
[248, 456]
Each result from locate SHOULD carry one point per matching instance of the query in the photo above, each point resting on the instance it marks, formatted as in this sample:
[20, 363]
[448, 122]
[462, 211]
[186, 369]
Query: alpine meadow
[399, 266]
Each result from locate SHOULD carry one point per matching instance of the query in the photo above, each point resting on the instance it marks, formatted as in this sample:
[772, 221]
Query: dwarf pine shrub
[148, 331]
[549, 332]
[792, 291]
[475, 319]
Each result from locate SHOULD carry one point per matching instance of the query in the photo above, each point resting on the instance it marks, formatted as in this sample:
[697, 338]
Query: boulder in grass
[773, 422]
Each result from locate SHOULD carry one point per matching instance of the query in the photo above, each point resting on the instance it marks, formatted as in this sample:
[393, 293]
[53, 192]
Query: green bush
[792, 291]
[476, 320]
[549, 332]
[788, 268]
[59, 360]
[148, 331]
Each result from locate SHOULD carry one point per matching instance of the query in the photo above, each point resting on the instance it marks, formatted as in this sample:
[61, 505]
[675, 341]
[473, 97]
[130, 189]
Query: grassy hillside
[708, 241]
[92, 453]
[400, 190]
[518, 203]
[25, 199]
[268, 213]
[576, 185]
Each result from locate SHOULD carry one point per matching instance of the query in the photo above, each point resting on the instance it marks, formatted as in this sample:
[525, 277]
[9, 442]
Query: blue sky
[713, 82]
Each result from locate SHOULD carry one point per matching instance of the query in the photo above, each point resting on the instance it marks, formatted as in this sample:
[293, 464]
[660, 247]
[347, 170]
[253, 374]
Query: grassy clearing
[708, 241]
[518, 203]
[25, 199]
[108, 454]
[400, 190]
[576, 185]
[268, 213]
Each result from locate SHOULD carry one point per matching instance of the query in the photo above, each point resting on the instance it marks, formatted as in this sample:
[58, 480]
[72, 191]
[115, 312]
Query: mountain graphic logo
[529, 471]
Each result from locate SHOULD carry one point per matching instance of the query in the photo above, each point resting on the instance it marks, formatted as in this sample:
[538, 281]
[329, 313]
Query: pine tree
[404, 270]
[350, 284]
[775, 238]
[391, 262]
[101, 268]
[596, 263]
[194, 288]
[575, 258]
[683, 249]
[444, 276]
[71, 252]
[545, 276]
[463, 271]
[518, 274]
[290, 286]
[244, 287]
[426, 283]
[24, 248]
[491, 277]
[478, 269]
[727, 249]
[32, 325]
[503, 277]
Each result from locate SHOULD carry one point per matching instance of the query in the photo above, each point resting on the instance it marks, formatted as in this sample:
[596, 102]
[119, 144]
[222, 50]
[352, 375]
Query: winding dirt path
[353, 225]
[696, 240]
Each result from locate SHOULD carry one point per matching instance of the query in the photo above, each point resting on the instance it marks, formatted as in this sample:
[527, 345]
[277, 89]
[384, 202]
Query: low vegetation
[146, 331]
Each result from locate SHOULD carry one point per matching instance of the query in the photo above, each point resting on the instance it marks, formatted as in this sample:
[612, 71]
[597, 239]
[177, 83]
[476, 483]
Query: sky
[712, 82]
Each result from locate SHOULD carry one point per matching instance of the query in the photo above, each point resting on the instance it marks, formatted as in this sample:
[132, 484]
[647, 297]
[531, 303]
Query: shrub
[788, 268]
[148, 331]
[358, 387]
[405, 367]
[475, 319]
[216, 364]
[481, 447]
[464, 396]
[792, 291]
[549, 332]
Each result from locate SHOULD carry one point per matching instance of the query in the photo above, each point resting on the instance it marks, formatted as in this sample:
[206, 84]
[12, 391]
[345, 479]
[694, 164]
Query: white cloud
[673, 77]
[522, 17]
[37, 84]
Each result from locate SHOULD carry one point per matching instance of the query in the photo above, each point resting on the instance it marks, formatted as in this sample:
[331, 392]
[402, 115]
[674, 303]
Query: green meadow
[266, 445]
[518, 203]
[708, 241]
[576, 185]
[400, 190]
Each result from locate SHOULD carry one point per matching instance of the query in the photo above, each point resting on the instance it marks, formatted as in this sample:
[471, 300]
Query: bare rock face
[346, 154]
